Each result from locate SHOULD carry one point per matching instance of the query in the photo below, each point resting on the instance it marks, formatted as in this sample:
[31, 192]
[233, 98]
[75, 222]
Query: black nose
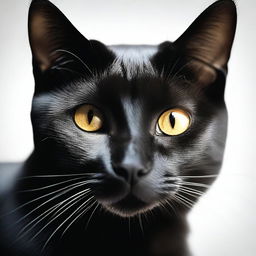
[132, 173]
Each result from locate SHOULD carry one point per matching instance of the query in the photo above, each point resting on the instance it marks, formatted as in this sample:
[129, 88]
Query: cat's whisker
[59, 59]
[86, 192]
[129, 225]
[44, 139]
[69, 70]
[168, 202]
[191, 189]
[169, 185]
[59, 175]
[50, 186]
[82, 205]
[52, 209]
[196, 184]
[195, 192]
[62, 63]
[83, 210]
[42, 216]
[163, 206]
[189, 201]
[145, 215]
[189, 193]
[66, 189]
[173, 67]
[182, 201]
[199, 176]
[180, 69]
[97, 205]
[53, 219]
[73, 186]
[141, 224]
[74, 55]
[171, 179]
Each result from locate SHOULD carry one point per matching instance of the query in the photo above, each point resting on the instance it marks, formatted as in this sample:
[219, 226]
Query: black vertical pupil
[172, 120]
[90, 115]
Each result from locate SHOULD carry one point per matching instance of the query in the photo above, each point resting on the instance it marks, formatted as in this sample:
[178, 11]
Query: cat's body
[126, 139]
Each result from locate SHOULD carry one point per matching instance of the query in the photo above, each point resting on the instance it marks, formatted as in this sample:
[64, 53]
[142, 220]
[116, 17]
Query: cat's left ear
[210, 37]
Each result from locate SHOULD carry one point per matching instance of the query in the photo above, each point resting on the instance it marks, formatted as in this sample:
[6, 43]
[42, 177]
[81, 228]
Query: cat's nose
[130, 172]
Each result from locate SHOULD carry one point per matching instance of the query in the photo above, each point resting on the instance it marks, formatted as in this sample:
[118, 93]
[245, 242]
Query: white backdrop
[223, 223]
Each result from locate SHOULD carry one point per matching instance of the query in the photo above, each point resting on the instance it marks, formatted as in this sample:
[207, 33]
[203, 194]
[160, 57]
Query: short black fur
[126, 188]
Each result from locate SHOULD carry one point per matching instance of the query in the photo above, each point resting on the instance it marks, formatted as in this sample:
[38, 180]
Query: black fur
[132, 171]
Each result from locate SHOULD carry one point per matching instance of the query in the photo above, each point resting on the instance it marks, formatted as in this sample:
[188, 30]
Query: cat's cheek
[95, 146]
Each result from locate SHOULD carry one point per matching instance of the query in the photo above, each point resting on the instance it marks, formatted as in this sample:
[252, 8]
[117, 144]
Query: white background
[223, 223]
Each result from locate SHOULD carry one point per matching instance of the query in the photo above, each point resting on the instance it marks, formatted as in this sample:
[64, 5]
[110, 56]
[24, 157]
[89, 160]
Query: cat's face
[146, 125]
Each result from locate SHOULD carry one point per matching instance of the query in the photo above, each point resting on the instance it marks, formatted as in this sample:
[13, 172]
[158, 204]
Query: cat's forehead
[133, 53]
[132, 61]
[131, 80]
[115, 92]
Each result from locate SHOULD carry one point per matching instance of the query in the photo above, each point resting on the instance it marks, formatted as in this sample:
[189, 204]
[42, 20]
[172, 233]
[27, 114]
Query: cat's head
[142, 125]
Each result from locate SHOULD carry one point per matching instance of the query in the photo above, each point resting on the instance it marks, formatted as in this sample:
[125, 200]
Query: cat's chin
[129, 206]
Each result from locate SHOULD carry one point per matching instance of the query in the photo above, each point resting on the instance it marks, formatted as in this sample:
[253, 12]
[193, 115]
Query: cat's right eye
[88, 118]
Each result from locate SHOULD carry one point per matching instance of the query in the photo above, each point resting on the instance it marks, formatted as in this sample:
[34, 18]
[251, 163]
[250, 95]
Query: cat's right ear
[50, 32]
[53, 37]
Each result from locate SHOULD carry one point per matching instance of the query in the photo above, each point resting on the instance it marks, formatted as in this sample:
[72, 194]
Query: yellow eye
[174, 122]
[88, 118]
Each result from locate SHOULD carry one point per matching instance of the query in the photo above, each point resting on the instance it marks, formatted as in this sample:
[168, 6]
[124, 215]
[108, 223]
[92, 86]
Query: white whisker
[199, 176]
[86, 202]
[57, 175]
[70, 187]
[188, 193]
[189, 201]
[168, 202]
[192, 191]
[45, 226]
[87, 224]
[84, 209]
[50, 186]
[141, 224]
[196, 184]
[52, 209]
[182, 201]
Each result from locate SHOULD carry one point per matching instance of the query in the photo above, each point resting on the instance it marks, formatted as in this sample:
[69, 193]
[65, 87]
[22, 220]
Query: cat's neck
[158, 233]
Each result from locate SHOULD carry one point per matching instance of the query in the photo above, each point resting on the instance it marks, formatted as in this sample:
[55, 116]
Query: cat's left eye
[88, 118]
[173, 122]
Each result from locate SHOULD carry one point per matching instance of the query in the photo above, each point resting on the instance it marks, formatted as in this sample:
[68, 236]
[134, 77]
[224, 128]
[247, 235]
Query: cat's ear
[210, 37]
[53, 38]
[49, 33]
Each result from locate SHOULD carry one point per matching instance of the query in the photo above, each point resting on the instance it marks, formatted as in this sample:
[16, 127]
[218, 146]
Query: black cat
[127, 138]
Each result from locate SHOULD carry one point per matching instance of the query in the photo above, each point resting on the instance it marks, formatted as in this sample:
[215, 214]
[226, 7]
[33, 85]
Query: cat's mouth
[131, 203]
[125, 200]
[129, 206]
